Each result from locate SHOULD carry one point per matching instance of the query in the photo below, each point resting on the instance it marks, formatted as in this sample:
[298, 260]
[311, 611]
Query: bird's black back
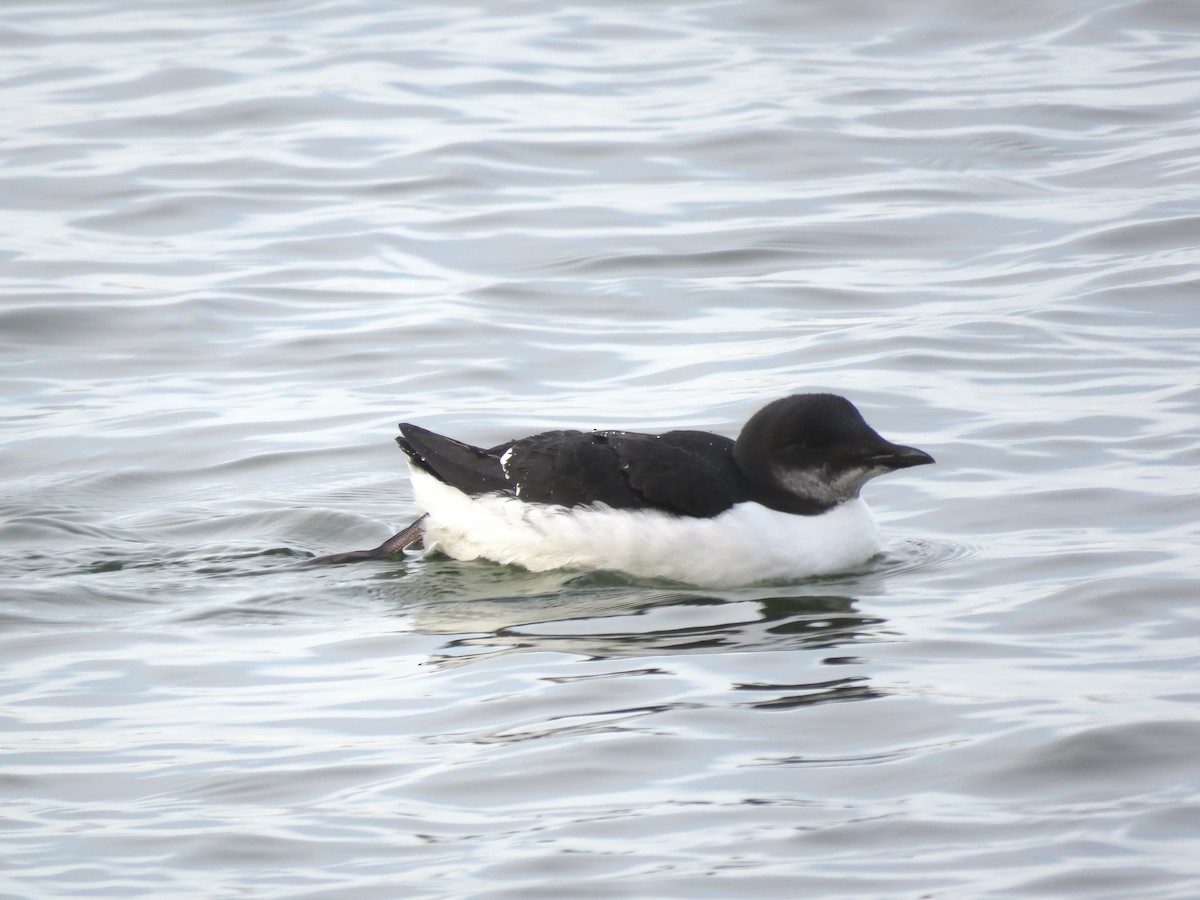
[687, 473]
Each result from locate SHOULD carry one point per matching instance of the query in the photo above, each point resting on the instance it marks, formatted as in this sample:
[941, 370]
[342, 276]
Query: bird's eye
[810, 444]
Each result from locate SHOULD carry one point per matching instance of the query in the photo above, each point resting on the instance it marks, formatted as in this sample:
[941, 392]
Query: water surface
[241, 243]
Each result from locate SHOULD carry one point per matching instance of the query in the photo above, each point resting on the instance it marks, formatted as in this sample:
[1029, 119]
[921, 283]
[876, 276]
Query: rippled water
[242, 240]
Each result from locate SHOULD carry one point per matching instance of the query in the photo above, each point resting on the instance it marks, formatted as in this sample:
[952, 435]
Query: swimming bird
[780, 502]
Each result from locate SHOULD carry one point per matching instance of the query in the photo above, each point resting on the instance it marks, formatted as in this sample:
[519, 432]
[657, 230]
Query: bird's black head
[809, 452]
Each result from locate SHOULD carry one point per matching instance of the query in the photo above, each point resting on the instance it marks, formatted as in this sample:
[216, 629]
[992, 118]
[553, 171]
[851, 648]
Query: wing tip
[402, 441]
[450, 461]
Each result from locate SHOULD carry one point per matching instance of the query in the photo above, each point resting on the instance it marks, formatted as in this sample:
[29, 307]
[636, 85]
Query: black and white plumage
[782, 501]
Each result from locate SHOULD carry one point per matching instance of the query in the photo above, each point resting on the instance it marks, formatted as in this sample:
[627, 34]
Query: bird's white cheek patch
[826, 486]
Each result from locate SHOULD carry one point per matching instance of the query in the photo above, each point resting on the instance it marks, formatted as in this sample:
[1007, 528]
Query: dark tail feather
[409, 538]
[472, 470]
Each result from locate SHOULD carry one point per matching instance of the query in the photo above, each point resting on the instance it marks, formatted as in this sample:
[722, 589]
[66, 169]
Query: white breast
[743, 545]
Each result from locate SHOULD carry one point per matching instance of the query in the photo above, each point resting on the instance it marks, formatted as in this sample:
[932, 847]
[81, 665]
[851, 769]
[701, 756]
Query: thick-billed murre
[780, 502]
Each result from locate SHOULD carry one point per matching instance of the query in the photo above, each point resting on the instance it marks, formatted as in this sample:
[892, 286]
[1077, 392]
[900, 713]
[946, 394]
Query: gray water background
[241, 240]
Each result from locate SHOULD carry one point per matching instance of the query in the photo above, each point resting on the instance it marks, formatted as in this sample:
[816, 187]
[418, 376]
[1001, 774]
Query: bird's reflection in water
[793, 696]
[493, 610]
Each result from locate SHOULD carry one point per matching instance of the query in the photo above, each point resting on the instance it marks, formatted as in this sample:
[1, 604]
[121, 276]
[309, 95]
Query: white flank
[743, 545]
